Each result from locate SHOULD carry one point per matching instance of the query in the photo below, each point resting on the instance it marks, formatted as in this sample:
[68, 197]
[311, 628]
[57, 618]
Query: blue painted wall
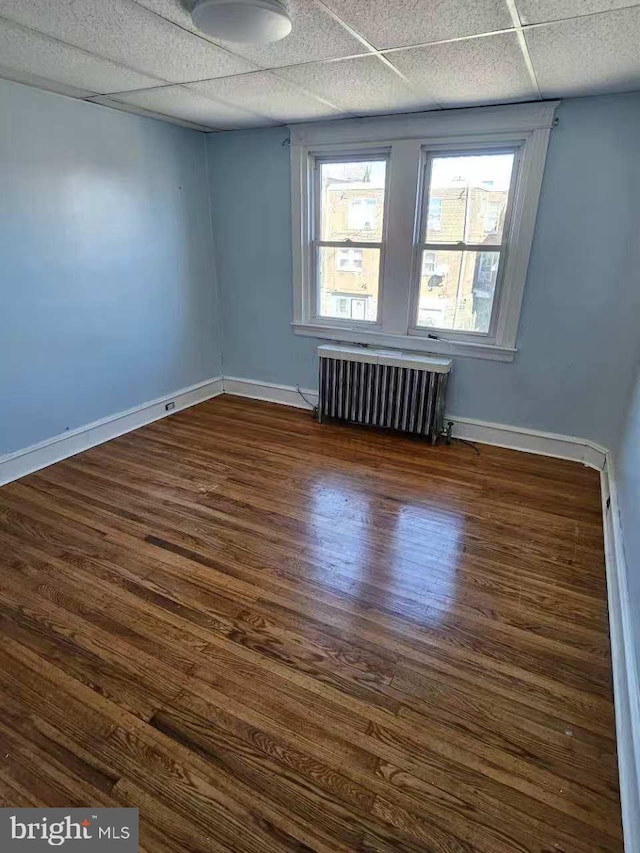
[582, 302]
[107, 291]
[627, 471]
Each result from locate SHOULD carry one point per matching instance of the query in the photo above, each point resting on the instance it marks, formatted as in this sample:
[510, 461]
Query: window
[344, 215]
[428, 263]
[349, 260]
[435, 214]
[415, 231]
[362, 214]
[492, 216]
[459, 293]
[349, 307]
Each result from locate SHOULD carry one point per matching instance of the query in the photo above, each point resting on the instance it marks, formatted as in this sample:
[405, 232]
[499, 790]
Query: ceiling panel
[408, 22]
[267, 95]
[27, 55]
[125, 32]
[537, 11]
[182, 103]
[361, 86]
[315, 34]
[476, 71]
[587, 55]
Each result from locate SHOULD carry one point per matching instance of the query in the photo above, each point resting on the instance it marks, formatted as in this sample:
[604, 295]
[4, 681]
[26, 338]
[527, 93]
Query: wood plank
[270, 635]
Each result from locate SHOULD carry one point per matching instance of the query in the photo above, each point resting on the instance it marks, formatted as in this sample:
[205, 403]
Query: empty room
[320, 426]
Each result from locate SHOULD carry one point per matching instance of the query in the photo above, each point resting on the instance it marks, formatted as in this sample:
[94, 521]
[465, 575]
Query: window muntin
[349, 227]
[471, 192]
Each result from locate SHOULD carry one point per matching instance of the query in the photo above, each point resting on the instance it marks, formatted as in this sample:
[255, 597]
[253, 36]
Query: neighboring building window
[362, 214]
[358, 309]
[492, 216]
[435, 214]
[348, 307]
[424, 209]
[428, 263]
[349, 260]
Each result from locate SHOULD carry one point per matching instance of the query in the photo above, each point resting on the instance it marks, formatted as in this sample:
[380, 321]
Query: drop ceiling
[344, 57]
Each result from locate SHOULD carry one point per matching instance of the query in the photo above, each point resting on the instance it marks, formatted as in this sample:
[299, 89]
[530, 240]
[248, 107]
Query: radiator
[393, 390]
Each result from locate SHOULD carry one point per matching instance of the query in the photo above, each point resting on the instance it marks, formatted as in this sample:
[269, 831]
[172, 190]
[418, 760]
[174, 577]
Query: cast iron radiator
[381, 388]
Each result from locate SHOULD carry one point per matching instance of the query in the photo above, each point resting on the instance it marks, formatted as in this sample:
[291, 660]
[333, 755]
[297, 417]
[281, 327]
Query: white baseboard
[272, 393]
[30, 459]
[501, 435]
[626, 687]
[530, 441]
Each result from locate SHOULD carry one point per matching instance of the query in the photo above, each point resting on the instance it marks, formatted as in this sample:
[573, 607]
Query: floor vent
[393, 390]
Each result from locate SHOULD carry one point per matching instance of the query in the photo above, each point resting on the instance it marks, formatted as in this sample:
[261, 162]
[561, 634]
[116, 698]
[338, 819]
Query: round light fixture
[256, 21]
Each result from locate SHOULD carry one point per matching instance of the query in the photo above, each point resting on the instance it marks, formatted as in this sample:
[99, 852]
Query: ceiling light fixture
[255, 21]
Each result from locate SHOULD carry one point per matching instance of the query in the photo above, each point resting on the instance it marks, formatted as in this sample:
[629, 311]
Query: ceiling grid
[343, 58]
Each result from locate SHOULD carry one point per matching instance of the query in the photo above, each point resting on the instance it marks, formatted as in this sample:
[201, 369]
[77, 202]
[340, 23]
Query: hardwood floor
[271, 635]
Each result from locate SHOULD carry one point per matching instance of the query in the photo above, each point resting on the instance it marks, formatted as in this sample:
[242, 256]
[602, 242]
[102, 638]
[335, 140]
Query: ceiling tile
[125, 32]
[182, 103]
[267, 95]
[315, 34]
[365, 85]
[474, 71]
[34, 58]
[587, 55]
[408, 22]
[537, 11]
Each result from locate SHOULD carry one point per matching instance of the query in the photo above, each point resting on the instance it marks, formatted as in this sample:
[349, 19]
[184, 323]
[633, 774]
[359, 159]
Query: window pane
[457, 290]
[348, 283]
[468, 198]
[352, 200]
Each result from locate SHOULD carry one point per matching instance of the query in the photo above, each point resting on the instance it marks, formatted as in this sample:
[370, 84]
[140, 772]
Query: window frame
[316, 242]
[407, 141]
[502, 248]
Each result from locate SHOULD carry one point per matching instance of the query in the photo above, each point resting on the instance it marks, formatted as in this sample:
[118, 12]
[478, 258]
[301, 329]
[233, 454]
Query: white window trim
[407, 137]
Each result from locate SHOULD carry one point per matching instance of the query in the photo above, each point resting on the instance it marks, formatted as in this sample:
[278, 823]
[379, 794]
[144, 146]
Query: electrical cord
[468, 443]
[313, 406]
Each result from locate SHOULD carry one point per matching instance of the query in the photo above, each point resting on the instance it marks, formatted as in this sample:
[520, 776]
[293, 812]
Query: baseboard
[530, 441]
[23, 462]
[626, 687]
[287, 395]
[501, 435]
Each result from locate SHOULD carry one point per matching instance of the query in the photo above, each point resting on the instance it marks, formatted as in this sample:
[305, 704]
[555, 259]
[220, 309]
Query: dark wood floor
[270, 635]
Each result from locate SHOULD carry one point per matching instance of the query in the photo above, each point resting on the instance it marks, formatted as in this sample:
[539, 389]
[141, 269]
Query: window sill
[491, 352]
